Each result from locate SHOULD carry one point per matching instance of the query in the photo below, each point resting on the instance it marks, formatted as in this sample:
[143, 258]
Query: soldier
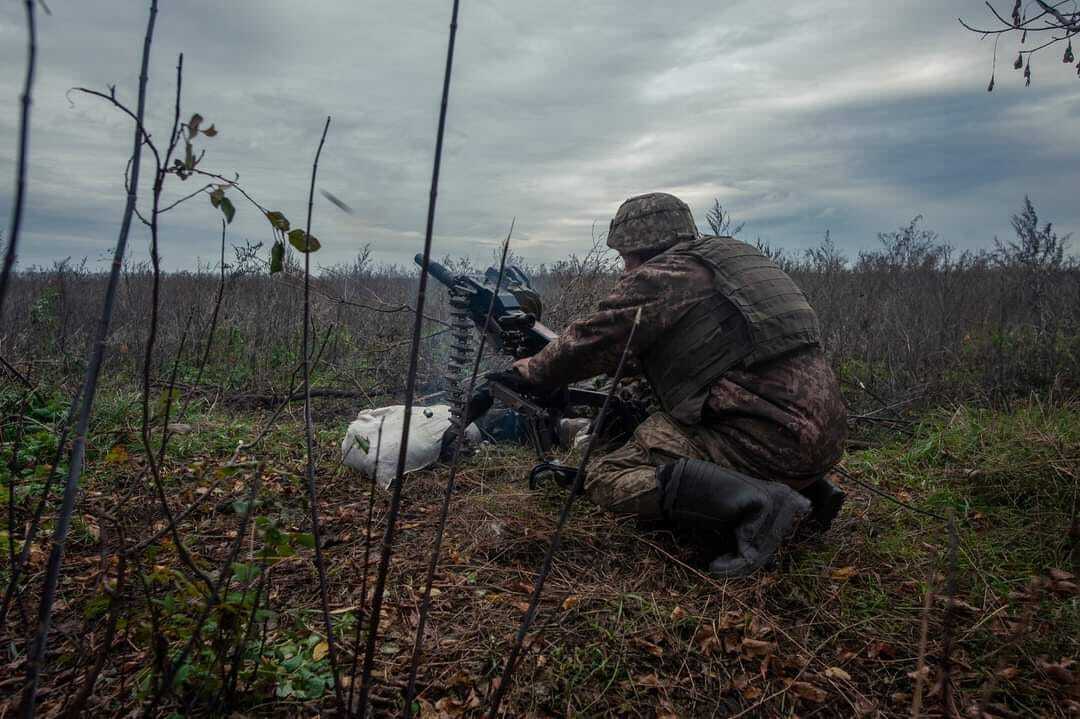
[752, 414]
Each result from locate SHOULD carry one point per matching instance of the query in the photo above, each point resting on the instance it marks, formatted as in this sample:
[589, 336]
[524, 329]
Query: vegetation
[982, 431]
[184, 568]
[629, 623]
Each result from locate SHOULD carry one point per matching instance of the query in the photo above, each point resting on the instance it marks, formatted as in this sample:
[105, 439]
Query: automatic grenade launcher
[514, 330]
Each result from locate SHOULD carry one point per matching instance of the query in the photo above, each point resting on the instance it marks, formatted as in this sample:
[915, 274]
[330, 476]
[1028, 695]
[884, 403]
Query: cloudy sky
[799, 120]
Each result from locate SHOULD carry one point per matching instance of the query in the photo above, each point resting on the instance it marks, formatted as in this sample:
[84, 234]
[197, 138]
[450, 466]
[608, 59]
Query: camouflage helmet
[655, 221]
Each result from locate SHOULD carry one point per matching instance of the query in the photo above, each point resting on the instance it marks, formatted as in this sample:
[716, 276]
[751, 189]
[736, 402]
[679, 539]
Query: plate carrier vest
[756, 314]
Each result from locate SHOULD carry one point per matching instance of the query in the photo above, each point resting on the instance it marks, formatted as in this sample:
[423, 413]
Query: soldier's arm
[664, 288]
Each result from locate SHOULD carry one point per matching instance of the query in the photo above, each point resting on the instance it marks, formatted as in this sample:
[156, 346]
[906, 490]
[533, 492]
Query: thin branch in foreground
[309, 432]
[924, 632]
[564, 515]
[89, 390]
[410, 386]
[35, 519]
[24, 149]
[948, 621]
[367, 561]
[168, 676]
[444, 513]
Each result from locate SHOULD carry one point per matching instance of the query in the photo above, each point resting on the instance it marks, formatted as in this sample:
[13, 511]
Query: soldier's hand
[521, 366]
[511, 379]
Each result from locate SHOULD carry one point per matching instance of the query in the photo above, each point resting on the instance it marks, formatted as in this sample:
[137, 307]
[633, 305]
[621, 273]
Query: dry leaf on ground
[837, 673]
[809, 692]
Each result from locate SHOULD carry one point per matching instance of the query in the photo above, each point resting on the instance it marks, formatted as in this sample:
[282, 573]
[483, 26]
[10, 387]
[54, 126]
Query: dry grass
[630, 626]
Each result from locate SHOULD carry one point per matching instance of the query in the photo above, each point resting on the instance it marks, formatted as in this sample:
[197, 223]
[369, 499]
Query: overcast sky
[798, 120]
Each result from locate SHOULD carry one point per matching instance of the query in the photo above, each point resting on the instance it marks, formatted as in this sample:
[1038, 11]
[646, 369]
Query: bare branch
[410, 385]
[24, 151]
[444, 512]
[309, 432]
[93, 370]
[564, 515]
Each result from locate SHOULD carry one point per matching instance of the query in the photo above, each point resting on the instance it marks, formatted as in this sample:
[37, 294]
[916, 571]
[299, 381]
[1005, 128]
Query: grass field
[630, 625]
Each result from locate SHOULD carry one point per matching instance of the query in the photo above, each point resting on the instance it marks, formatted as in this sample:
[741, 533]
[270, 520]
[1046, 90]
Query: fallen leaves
[882, 650]
[449, 707]
[809, 692]
[757, 647]
[1061, 671]
[649, 681]
[837, 673]
[842, 574]
[655, 649]
[705, 640]
[957, 604]
[1063, 582]
[117, 455]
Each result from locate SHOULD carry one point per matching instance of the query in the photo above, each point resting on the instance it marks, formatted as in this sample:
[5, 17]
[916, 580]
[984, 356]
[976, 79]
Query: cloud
[798, 119]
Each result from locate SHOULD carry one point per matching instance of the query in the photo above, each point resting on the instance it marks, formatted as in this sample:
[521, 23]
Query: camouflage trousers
[624, 480]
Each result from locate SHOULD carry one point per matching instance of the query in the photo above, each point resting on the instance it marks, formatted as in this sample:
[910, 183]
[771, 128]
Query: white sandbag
[426, 429]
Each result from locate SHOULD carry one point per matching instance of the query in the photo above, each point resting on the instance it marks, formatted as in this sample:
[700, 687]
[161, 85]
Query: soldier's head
[649, 224]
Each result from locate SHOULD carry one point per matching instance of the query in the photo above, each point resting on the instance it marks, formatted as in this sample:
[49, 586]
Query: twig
[886, 496]
[93, 370]
[947, 623]
[155, 461]
[553, 546]
[444, 512]
[164, 689]
[213, 326]
[367, 558]
[16, 373]
[924, 632]
[228, 691]
[309, 440]
[1071, 24]
[116, 595]
[39, 512]
[242, 446]
[14, 468]
[410, 385]
[24, 150]
[185, 198]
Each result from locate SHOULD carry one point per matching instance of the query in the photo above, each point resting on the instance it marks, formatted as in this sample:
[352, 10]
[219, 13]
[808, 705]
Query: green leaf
[278, 220]
[277, 257]
[303, 241]
[304, 539]
[245, 572]
[189, 156]
[193, 125]
[217, 196]
[227, 209]
[168, 397]
[362, 443]
[210, 131]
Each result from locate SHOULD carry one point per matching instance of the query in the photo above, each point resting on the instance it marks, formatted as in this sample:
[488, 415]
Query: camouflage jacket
[665, 288]
[787, 412]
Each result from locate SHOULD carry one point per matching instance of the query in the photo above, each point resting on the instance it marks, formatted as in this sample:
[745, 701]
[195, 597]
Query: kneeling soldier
[752, 414]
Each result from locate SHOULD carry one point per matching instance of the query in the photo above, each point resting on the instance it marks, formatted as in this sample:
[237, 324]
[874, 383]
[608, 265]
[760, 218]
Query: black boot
[760, 514]
[826, 499]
